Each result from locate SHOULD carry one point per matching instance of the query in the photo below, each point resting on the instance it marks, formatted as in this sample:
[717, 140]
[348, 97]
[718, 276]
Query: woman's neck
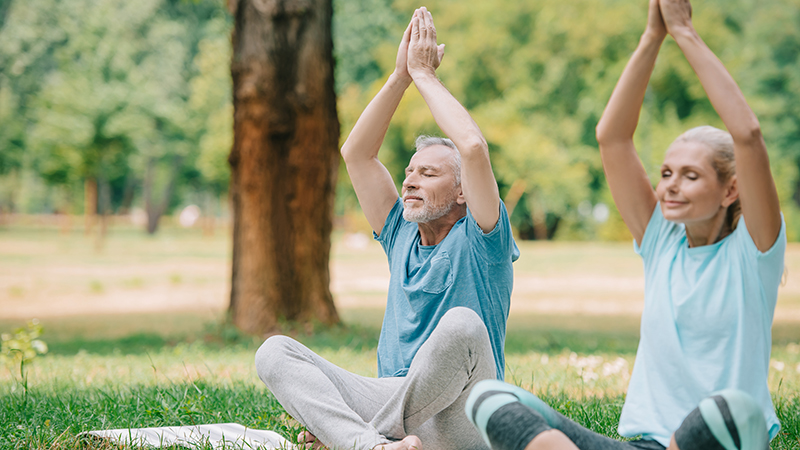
[709, 231]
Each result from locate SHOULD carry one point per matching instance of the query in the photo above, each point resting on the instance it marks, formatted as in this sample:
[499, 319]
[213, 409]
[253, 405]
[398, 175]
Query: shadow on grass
[360, 330]
[543, 335]
[216, 336]
[555, 341]
[134, 344]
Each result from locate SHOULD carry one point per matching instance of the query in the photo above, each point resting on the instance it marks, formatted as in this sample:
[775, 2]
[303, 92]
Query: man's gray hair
[424, 142]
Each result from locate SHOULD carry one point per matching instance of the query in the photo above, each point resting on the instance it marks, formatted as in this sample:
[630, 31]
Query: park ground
[137, 336]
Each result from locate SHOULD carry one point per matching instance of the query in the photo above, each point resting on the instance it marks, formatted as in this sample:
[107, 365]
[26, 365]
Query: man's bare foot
[409, 443]
[310, 441]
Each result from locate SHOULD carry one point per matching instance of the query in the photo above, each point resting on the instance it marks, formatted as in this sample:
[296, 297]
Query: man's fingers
[423, 23]
[440, 50]
[404, 42]
[407, 33]
[430, 25]
[415, 27]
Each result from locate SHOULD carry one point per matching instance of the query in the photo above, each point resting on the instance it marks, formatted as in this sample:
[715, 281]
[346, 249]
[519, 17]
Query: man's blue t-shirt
[467, 268]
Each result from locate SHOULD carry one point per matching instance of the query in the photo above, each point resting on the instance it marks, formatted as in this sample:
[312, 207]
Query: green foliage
[130, 94]
[537, 75]
[23, 346]
[359, 25]
[80, 97]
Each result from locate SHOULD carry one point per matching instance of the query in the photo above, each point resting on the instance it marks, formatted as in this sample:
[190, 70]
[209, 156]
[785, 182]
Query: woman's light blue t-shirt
[468, 268]
[706, 326]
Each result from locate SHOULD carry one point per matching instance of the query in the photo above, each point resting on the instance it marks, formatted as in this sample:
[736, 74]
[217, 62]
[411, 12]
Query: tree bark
[104, 208]
[89, 204]
[155, 209]
[538, 216]
[284, 162]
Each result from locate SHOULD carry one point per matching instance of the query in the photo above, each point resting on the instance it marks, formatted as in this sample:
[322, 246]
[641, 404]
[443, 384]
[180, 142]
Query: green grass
[206, 375]
[111, 368]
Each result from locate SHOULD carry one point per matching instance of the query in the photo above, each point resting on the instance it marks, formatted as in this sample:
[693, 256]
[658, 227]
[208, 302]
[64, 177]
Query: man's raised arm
[372, 182]
[477, 179]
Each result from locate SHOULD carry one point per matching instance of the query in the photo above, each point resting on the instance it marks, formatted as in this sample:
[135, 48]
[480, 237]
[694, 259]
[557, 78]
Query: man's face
[429, 189]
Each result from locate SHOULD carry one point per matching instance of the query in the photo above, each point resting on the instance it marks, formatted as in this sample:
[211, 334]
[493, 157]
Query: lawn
[125, 350]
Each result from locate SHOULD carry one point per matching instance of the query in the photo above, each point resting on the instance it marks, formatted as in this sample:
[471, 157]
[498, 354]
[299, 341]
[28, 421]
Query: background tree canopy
[138, 98]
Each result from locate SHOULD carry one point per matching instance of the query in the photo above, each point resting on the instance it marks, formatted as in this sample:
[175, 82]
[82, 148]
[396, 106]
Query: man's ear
[732, 194]
[461, 199]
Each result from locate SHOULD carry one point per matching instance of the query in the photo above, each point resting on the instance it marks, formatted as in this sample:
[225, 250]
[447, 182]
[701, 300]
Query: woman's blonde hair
[722, 160]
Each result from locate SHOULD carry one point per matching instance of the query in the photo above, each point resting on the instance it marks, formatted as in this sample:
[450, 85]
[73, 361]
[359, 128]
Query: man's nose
[410, 182]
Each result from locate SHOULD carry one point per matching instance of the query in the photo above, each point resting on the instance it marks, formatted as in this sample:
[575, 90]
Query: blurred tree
[210, 100]
[110, 106]
[117, 91]
[770, 69]
[27, 40]
[536, 75]
[5, 5]
[358, 25]
[283, 162]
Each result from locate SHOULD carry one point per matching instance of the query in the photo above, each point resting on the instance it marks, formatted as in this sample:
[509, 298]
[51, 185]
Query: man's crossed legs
[348, 411]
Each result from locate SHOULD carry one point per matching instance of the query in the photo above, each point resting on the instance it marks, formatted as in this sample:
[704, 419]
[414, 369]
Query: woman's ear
[732, 193]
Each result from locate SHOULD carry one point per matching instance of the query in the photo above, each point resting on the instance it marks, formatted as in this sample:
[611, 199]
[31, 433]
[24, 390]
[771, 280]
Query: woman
[712, 239]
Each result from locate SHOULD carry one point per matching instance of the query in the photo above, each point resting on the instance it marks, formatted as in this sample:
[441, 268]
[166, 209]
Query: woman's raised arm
[627, 179]
[757, 193]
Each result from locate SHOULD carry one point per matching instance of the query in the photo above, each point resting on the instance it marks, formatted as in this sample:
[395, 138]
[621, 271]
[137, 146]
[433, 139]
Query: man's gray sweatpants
[348, 411]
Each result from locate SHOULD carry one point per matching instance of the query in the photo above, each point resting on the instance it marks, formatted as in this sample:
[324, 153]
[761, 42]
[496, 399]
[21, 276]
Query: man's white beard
[429, 212]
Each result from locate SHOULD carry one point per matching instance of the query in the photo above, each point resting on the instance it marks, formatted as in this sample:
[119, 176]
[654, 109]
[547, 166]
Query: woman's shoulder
[660, 235]
[743, 241]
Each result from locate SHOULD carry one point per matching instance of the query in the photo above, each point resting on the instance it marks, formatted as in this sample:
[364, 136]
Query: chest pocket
[440, 275]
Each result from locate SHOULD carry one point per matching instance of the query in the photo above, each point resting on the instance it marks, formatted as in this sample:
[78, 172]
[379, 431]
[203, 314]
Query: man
[450, 251]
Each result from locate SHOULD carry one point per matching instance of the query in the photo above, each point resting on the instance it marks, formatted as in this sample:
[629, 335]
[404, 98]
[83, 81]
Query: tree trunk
[89, 204]
[284, 162]
[209, 217]
[155, 209]
[64, 211]
[127, 195]
[515, 193]
[538, 217]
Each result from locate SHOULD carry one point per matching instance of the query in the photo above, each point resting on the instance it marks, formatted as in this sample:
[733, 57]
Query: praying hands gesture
[677, 15]
[633, 194]
[418, 57]
[418, 50]
[424, 55]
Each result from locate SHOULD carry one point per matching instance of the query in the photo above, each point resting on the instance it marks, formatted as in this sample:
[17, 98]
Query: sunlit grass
[140, 368]
[210, 378]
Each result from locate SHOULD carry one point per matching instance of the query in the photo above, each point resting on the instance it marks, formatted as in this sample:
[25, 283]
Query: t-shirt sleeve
[390, 228]
[770, 263]
[498, 244]
[654, 235]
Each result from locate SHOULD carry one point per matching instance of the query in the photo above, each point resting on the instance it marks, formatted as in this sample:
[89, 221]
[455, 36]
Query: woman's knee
[500, 417]
[482, 391]
[727, 419]
[487, 388]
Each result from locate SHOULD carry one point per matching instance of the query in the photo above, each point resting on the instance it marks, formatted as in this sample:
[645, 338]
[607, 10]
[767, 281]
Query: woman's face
[689, 190]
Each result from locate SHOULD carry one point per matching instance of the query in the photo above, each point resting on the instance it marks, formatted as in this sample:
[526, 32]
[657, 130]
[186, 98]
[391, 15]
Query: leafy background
[137, 95]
